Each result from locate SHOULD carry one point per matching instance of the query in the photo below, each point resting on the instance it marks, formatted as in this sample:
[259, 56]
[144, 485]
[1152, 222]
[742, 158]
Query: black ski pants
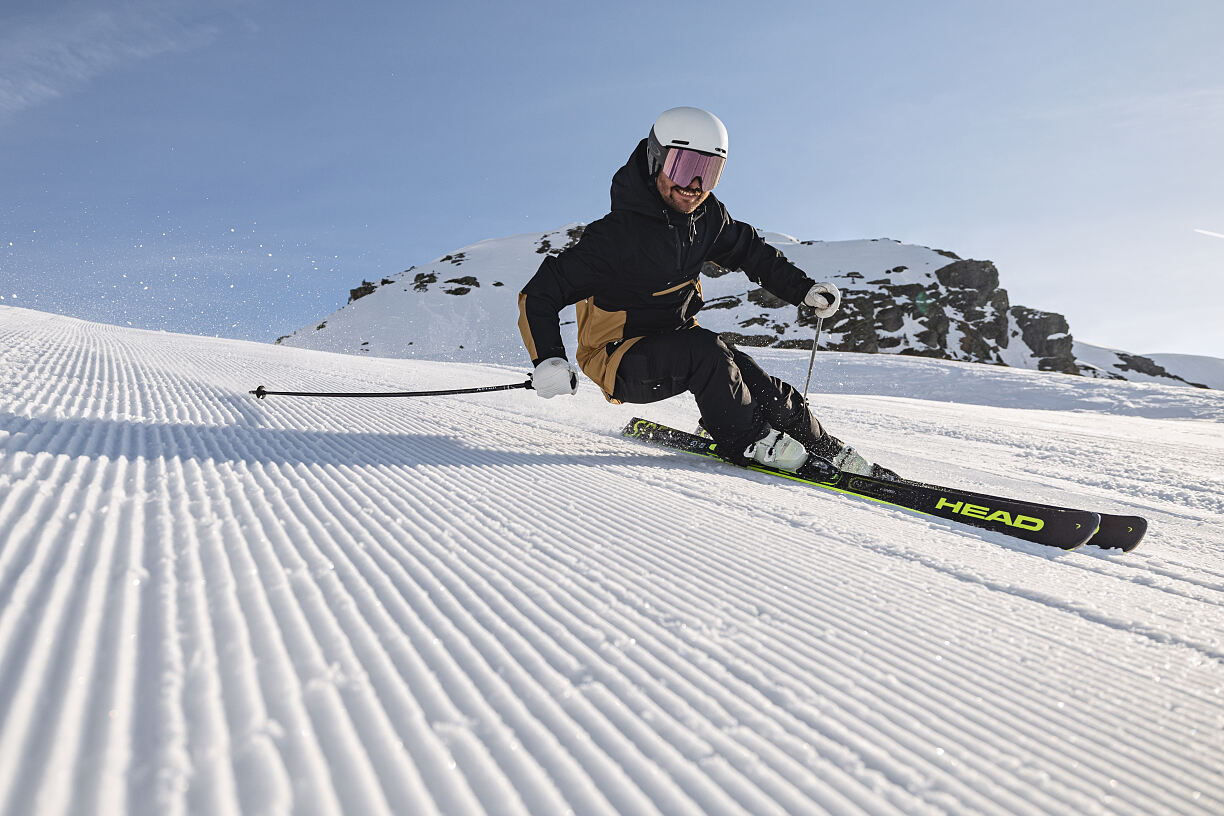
[737, 399]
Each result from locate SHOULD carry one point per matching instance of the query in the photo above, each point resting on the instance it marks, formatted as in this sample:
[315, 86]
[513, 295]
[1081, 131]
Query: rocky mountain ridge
[897, 299]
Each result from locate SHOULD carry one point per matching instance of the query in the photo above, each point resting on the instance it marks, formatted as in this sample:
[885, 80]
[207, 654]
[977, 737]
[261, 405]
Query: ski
[1117, 532]
[1060, 527]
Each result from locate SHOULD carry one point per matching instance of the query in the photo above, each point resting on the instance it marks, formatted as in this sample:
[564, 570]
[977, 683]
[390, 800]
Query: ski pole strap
[260, 392]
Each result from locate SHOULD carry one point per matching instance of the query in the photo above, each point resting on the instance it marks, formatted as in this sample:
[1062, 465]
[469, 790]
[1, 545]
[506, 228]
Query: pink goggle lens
[683, 165]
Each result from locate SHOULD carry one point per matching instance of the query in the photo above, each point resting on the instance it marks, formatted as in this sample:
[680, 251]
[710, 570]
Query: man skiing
[635, 277]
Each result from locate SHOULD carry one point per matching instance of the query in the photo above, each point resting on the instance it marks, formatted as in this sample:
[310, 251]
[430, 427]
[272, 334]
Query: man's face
[680, 199]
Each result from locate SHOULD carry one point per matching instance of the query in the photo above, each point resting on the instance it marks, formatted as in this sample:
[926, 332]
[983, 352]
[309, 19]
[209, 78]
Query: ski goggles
[683, 165]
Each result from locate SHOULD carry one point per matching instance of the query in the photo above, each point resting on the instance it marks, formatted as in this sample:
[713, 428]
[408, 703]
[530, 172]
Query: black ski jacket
[636, 272]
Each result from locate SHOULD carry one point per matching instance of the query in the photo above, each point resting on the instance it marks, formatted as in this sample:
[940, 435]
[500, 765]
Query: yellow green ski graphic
[1061, 527]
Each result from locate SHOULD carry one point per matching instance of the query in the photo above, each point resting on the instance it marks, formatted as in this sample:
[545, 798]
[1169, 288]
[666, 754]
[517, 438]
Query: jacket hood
[633, 188]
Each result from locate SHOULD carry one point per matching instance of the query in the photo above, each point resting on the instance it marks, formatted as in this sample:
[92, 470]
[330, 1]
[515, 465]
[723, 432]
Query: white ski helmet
[688, 129]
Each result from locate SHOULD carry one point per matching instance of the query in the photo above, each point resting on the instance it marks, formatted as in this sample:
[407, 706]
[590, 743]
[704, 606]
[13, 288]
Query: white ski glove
[824, 298]
[553, 377]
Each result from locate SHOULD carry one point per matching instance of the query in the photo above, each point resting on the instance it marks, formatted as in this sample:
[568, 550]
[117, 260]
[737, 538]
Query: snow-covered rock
[897, 299]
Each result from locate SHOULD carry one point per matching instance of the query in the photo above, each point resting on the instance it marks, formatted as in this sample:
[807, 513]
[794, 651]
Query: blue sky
[233, 167]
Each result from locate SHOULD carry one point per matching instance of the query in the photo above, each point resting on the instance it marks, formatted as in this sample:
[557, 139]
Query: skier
[635, 277]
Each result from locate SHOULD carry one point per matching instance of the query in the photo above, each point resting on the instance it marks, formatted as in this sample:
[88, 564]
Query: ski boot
[777, 450]
[849, 460]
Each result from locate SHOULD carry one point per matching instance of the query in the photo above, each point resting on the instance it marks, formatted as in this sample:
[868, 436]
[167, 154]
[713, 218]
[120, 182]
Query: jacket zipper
[671, 228]
[692, 237]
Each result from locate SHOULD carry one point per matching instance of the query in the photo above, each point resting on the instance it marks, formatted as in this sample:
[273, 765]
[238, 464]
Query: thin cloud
[1212, 234]
[48, 57]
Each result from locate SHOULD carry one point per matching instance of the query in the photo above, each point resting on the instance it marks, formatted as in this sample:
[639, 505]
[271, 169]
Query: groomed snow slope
[495, 604]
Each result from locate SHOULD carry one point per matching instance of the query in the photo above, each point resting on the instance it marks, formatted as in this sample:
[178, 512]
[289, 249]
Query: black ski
[1116, 532]
[1060, 527]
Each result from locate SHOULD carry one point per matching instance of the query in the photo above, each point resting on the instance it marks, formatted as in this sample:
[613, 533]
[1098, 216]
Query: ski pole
[260, 392]
[812, 361]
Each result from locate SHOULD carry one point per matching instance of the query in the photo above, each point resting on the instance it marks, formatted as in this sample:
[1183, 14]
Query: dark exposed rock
[975, 279]
[972, 288]
[1148, 366]
[890, 318]
[366, 288]
[904, 292]
[853, 328]
[934, 337]
[766, 300]
[961, 314]
[974, 345]
[1048, 335]
[545, 247]
[462, 285]
[755, 340]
